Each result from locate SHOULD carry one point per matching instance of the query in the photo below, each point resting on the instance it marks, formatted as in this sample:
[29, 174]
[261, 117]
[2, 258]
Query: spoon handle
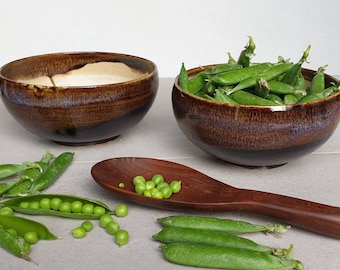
[316, 217]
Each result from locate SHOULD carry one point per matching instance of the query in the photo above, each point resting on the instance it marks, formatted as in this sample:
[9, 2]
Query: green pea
[112, 227]
[12, 232]
[149, 185]
[65, 207]
[45, 203]
[176, 186]
[157, 178]
[121, 210]
[160, 185]
[147, 193]
[99, 210]
[140, 188]
[24, 205]
[31, 237]
[76, 206]
[104, 220]
[87, 208]
[6, 211]
[87, 225]
[122, 237]
[121, 185]
[55, 203]
[166, 191]
[34, 205]
[13, 245]
[138, 179]
[157, 194]
[78, 232]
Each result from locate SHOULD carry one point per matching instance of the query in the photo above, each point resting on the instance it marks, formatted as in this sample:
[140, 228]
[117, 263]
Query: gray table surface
[315, 177]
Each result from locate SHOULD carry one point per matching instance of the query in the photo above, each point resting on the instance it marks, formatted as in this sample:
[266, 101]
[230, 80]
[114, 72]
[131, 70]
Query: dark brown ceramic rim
[77, 60]
[308, 73]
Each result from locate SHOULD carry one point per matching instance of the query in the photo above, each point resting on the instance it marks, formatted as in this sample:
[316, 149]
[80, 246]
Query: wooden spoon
[201, 192]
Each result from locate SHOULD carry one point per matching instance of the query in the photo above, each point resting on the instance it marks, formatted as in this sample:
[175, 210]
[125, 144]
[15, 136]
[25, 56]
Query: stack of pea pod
[261, 84]
[214, 243]
[32, 177]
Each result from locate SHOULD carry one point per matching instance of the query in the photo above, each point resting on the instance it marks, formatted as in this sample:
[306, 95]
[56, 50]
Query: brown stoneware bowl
[77, 115]
[256, 136]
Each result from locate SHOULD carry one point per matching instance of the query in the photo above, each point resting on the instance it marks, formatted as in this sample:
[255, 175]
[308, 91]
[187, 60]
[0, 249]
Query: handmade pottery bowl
[256, 136]
[77, 115]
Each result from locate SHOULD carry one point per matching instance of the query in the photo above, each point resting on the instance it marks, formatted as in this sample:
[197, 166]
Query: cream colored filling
[91, 74]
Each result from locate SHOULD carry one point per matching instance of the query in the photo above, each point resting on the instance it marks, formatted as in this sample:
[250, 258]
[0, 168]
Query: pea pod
[226, 258]
[7, 170]
[23, 225]
[51, 174]
[184, 82]
[269, 74]
[318, 81]
[281, 88]
[12, 244]
[223, 225]
[221, 97]
[294, 72]
[196, 83]
[238, 75]
[28, 176]
[247, 98]
[247, 53]
[261, 88]
[17, 205]
[207, 237]
[5, 186]
[221, 68]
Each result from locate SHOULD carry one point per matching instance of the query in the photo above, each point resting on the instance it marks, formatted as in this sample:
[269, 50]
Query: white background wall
[169, 32]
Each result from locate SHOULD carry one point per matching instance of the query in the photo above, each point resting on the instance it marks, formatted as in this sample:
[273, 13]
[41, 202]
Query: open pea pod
[23, 225]
[24, 205]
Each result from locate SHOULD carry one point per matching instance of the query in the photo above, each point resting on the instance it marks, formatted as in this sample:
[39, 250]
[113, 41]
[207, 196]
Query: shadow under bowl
[78, 115]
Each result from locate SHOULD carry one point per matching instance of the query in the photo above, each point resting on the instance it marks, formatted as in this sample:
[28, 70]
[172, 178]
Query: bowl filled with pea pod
[79, 98]
[257, 114]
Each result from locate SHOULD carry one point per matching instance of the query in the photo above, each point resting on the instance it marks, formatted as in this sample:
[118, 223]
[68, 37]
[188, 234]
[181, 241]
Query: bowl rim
[284, 107]
[147, 75]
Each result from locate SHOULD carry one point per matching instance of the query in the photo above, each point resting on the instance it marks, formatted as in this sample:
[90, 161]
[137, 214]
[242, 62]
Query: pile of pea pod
[260, 84]
[215, 243]
[32, 177]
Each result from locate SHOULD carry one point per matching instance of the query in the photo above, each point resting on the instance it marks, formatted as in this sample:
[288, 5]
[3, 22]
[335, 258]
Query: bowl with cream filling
[79, 98]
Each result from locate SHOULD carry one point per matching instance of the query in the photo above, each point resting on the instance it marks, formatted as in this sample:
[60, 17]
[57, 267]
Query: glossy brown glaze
[203, 193]
[255, 135]
[77, 115]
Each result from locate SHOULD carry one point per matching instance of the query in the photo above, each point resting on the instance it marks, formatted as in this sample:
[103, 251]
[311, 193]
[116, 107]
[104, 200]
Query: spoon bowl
[204, 193]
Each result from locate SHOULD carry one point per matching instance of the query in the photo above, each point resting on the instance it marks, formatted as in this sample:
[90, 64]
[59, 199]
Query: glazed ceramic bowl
[77, 115]
[256, 136]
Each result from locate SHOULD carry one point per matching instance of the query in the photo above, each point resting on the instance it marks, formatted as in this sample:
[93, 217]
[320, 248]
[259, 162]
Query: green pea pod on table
[218, 224]
[27, 177]
[51, 174]
[24, 225]
[12, 244]
[24, 205]
[226, 258]
[5, 186]
[7, 170]
[207, 237]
